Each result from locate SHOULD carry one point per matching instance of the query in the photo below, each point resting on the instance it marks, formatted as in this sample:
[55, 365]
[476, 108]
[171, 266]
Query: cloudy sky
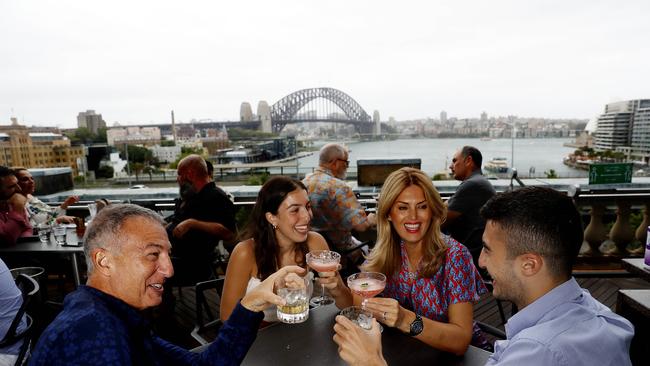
[134, 61]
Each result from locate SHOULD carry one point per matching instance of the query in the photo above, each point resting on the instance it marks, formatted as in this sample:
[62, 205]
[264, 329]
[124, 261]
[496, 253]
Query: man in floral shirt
[336, 209]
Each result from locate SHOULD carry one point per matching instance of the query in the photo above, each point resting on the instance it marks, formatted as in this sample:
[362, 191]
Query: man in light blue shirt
[531, 239]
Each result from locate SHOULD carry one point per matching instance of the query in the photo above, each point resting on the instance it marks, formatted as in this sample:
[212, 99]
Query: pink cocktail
[367, 284]
[323, 261]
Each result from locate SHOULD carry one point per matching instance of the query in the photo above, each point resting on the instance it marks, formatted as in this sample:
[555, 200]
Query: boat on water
[497, 165]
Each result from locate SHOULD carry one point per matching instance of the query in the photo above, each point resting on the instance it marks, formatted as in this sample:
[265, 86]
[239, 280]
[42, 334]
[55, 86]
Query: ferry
[497, 165]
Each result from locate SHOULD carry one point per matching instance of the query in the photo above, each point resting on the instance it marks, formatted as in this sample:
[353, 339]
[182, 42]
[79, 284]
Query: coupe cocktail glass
[323, 261]
[367, 285]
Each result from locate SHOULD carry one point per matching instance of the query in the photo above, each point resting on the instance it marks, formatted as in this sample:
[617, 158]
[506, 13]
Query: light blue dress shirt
[565, 327]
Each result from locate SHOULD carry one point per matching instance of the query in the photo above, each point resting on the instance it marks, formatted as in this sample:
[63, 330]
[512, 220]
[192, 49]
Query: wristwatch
[416, 326]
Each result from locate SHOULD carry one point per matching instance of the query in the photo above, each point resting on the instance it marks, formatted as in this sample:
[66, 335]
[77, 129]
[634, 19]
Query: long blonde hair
[386, 256]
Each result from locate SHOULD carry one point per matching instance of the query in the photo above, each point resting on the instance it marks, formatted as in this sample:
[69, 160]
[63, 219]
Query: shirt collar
[475, 172]
[324, 170]
[569, 291]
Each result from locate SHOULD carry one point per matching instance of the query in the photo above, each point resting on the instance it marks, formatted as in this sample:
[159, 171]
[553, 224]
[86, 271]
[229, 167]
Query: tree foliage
[104, 171]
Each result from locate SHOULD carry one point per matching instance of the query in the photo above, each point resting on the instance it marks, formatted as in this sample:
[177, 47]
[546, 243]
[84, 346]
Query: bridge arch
[285, 110]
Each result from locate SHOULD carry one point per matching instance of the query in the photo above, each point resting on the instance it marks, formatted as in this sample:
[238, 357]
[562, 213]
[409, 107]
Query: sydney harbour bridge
[306, 105]
[311, 105]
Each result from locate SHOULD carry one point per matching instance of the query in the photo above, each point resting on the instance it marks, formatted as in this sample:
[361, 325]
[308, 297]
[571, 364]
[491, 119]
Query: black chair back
[28, 287]
[202, 307]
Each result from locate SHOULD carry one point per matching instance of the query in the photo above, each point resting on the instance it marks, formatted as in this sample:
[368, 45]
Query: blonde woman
[431, 281]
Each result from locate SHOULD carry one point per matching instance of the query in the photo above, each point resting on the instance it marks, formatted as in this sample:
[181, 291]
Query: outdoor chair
[210, 321]
[28, 287]
[495, 332]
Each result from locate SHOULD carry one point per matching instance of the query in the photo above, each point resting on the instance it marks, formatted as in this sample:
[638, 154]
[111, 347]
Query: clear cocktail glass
[323, 261]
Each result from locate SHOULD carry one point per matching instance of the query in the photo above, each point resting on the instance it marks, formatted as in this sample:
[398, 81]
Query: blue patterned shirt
[95, 328]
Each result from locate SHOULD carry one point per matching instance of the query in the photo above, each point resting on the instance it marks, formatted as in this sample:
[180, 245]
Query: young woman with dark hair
[277, 235]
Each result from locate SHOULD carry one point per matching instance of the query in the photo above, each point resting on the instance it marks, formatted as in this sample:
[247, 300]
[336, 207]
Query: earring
[275, 227]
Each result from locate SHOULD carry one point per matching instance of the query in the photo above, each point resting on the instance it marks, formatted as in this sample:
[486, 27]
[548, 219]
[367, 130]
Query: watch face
[417, 326]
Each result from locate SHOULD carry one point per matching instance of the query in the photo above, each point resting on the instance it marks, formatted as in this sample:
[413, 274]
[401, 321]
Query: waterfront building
[215, 140]
[640, 140]
[133, 135]
[625, 126]
[90, 120]
[166, 154]
[20, 146]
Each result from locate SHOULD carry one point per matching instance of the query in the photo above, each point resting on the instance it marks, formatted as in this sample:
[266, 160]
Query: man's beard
[342, 175]
[186, 191]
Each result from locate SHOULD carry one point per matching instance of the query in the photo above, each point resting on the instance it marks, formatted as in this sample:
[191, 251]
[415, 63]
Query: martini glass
[323, 261]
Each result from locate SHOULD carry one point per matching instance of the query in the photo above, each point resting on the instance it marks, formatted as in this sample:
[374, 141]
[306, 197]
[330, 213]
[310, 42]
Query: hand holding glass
[323, 261]
[296, 307]
[358, 316]
[367, 285]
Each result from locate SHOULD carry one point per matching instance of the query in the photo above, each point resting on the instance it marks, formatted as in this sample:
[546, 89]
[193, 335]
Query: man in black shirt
[204, 216]
[463, 221]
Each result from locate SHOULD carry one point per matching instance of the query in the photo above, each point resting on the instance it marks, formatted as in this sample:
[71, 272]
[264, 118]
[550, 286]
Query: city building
[257, 151]
[625, 126]
[166, 154]
[133, 135]
[21, 147]
[90, 120]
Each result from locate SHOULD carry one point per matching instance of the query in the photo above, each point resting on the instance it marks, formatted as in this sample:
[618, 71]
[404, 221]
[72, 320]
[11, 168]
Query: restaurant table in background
[636, 266]
[634, 305]
[310, 343]
[33, 246]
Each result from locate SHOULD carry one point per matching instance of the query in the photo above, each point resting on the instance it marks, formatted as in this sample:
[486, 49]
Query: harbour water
[436, 154]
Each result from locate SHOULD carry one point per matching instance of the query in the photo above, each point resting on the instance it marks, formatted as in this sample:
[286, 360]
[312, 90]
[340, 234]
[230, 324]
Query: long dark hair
[272, 194]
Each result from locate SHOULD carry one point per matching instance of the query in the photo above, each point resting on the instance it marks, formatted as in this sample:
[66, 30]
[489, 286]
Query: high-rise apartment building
[625, 126]
[90, 120]
[21, 147]
[640, 140]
